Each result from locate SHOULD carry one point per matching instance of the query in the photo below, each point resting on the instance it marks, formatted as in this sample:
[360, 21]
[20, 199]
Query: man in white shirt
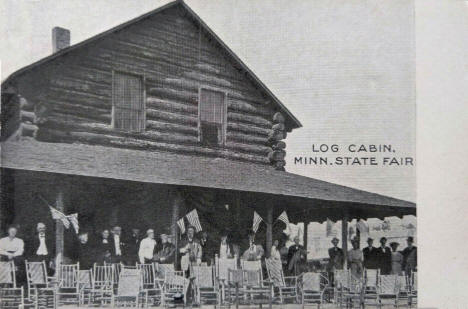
[147, 246]
[11, 247]
[255, 251]
[116, 244]
[225, 248]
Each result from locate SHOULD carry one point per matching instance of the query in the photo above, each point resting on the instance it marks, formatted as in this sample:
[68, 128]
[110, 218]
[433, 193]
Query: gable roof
[291, 119]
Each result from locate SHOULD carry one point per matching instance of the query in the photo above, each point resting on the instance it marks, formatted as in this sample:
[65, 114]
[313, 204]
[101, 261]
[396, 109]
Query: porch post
[344, 239]
[306, 239]
[269, 230]
[176, 200]
[59, 229]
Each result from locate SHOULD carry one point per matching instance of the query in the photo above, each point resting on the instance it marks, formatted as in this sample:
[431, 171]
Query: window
[212, 117]
[128, 106]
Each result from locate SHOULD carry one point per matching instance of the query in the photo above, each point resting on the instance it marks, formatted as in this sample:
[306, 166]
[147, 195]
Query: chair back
[117, 267]
[85, 278]
[175, 281]
[341, 278]
[312, 282]
[388, 284]
[7, 274]
[36, 274]
[103, 276]
[129, 282]
[275, 272]
[414, 281]
[255, 271]
[235, 276]
[222, 267]
[204, 276]
[161, 269]
[355, 284]
[148, 275]
[68, 276]
[252, 278]
[371, 276]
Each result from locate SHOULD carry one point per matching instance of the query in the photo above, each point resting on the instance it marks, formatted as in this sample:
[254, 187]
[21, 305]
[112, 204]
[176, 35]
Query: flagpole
[269, 230]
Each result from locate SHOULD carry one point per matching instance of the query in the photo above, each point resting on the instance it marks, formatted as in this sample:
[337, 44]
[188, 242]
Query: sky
[344, 68]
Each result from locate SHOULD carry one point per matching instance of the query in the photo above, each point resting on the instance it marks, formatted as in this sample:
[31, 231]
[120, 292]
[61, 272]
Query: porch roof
[186, 170]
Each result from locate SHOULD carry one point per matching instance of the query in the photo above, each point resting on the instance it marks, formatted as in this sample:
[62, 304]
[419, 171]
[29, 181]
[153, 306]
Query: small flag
[284, 217]
[181, 225]
[193, 219]
[57, 215]
[256, 221]
[73, 218]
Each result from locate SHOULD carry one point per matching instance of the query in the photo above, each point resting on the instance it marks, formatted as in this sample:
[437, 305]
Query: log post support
[269, 230]
[177, 201]
[59, 229]
[306, 239]
[344, 239]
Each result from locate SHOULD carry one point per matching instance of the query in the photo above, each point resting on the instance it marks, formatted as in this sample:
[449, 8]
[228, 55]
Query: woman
[397, 259]
[355, 259]
[275, 254]
[103, 247]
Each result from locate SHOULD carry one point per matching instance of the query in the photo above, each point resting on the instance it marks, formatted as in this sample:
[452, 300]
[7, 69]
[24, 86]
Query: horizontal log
[28, 130]
[246, 128]
[26, 116]
[81, 86]
[279, 145]
[65, 110]
[276, 155]
[166, 93]
[171, 117]
[258, 149]
[246, 138]
[243, 106]
[171, 127]
[171, 106]
[71, 92]
[276, 136]
[278, 127]
[123, 142]
[278, 118]
[258, 121]
[85, 99]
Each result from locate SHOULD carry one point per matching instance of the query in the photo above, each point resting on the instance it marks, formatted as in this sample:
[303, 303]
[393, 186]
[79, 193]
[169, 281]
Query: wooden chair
[7, 275]
[101, 290]
[353, 291]
[151, 285]
[10, 295]
[129, 291]
[68, 290]
[222, 267]
[85, 283]
[117, 267]
[41, 288]
[205, 285]
[388, 289]
[371, 283]
[286, 286]
[161, 270]
[340, 277]
[254, 289]
[413, 289]
[175, 287]
[313, 287]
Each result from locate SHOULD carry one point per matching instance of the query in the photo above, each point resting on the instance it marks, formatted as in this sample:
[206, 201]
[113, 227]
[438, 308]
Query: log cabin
[140, 124]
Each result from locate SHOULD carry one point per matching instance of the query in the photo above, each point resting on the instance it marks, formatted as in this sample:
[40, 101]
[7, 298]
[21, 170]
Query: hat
[40, 224]
[191, 227]
[383, 238]
[335, 239]
[163, 234]
[149, 231]
[394, 243]
[410, 238]
[370, 239]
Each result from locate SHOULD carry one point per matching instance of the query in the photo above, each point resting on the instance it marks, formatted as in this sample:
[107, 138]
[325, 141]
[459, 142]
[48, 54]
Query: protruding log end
[278, 118]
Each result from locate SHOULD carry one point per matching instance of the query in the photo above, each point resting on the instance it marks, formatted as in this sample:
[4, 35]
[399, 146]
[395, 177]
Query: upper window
[128, 105]
[212, 117]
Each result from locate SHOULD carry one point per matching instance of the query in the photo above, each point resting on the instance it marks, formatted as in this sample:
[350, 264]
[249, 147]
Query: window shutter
[212, 117]
[128, 102]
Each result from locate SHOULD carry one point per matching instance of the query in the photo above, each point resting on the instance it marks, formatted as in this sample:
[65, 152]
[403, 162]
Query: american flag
[73, 218]
[193, 219]
[181, 225]
[256, 221]
[57, 215]
[284, 217]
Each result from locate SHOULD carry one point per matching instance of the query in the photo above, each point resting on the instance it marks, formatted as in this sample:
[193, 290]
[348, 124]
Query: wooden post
[306, 239]
[344, 239]
[269, 230]
[177, 201]
[59, 229]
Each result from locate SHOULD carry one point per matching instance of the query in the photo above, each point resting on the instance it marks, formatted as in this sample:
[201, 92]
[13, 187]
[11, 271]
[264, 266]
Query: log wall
[175, 58]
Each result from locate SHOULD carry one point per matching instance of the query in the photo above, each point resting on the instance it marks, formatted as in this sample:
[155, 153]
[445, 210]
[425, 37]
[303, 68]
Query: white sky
[344, 68]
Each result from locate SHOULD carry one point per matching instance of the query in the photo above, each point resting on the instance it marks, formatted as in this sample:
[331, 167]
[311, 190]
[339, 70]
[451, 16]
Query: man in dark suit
[132, 244]
[41, 247]
[85, 251]
[116, 245]
[370, 255]
[167, 251]
[410, 257]
[296, 257]
[208, 248]
[384, 255]
[336, 259]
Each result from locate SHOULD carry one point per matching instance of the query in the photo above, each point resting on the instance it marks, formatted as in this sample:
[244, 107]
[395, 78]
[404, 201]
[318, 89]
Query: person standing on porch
[336, 259]
[147, 245]
[397, 259]
[297, 257]
[355, 259]
[384, 255]
[132, 247]
[85, 251]
[370, 255]
[104, 248]
[167, 251]
[12, 249]
[191, 250]
[410, 258]
[41, 247]
[255, 251]
[275, 254]
[225, 248]
[116, 244]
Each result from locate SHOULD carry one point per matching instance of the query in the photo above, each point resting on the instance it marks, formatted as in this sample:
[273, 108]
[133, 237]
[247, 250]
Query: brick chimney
[60, 39]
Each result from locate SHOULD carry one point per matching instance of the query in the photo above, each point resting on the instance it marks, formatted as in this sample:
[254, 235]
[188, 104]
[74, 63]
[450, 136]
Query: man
[191, 250]
[370, 255]
[11, 247]
[167, 252]
[42, 247]
[336, 259]
[410, 258]
[207, 248]
[225, 248]
[86, 254]
[296, 256]
[147, 245]
[132, 247]
[255, 251]
[116, 244]
[384, 257]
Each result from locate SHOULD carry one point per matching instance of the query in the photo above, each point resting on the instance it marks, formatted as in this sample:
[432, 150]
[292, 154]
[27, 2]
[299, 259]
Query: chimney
[60, 39]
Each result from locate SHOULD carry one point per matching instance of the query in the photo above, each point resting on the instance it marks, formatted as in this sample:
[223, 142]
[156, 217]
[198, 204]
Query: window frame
[142, 77]
[224, 124]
